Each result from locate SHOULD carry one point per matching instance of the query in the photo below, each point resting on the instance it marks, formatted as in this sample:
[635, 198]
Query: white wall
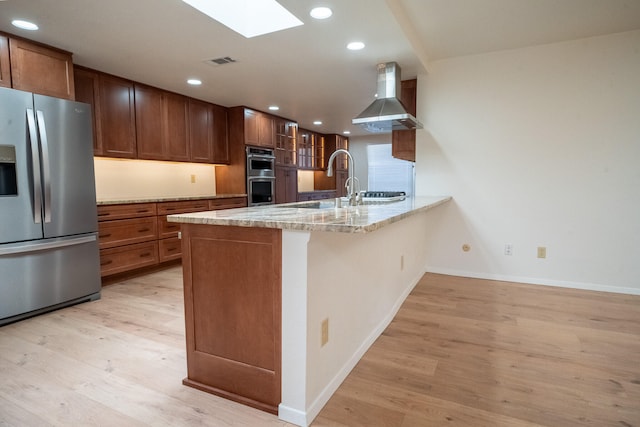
[358, 149]
[143, 179]
[538, 147]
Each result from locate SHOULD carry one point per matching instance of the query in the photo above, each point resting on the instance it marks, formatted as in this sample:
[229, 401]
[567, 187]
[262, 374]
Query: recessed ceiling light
[355, 46]
[321, 12]
[274, 107]
[194, 82]
[25, 25]
[317, 122]
[346, 132]
[248, 17]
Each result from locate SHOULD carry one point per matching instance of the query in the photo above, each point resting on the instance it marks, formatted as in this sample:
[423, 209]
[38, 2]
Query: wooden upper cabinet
[41, 69]
[208, 135]
[87, 84]
[201, 131]
[258, 129]
[220, 135]
[332, 143]
[162, 124]
[149, 117]
[176, 127]
[5, 66]
[117, 117]
[403, 142]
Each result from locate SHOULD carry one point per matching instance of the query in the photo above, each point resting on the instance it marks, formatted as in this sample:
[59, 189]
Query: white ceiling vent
[221, 61]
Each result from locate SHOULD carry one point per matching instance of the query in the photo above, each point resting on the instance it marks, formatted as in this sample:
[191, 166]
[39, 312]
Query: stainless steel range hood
[387, 112]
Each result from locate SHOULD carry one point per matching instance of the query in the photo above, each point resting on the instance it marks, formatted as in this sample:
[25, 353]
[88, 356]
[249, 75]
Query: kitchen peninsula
[281, 301]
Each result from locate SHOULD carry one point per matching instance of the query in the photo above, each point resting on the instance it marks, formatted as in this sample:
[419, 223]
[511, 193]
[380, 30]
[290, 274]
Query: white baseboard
[293, 416]
[304, 419]
[535, 281]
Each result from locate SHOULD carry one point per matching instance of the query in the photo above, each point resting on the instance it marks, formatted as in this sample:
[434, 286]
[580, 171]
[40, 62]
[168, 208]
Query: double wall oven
[261, 177]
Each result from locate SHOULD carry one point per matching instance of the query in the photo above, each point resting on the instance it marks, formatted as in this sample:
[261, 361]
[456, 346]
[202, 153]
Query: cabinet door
[220, 135]
[259, 129]
[266, 131]
[176, 129]
[341, 179]
[149, 122]
[117, 135]
[201, 131]
[5, 66]
[251, 133]
[286, 185]
[39, 69]
[403, 142]
[87, 90]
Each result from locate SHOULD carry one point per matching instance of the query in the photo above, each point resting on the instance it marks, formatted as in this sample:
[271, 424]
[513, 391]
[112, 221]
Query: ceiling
[305, 70]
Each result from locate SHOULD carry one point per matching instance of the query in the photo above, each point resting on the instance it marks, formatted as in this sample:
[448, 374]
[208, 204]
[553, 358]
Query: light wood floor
[461, 352]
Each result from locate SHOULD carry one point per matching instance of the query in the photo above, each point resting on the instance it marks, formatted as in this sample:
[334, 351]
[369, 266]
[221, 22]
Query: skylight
[250, 18]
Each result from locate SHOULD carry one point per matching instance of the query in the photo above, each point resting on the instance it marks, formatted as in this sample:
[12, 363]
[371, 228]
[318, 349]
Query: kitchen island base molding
[232, 290]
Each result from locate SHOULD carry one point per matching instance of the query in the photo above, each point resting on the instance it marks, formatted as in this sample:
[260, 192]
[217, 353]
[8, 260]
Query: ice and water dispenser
[8, 179]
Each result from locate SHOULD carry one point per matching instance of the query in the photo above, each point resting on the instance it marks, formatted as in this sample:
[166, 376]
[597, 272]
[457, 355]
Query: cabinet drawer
[168, 208]
[136, 210]
[228, 203]
[166, 228]
[169, 249]
[125, 258]
[127, 231]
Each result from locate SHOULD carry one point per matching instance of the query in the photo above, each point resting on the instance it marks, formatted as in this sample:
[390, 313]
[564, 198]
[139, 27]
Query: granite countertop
[122, 201]
[315, 215]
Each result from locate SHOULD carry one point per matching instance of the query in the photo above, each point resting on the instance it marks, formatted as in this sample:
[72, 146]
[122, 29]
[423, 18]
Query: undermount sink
[310, 205]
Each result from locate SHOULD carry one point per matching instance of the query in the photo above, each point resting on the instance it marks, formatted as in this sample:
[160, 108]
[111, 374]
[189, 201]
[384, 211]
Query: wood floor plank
[460, 352]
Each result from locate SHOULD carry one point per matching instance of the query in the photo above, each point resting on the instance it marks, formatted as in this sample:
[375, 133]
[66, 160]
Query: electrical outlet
[401, 262]
[325, 332]
[193, 179]
[542, 252]
[508, 249]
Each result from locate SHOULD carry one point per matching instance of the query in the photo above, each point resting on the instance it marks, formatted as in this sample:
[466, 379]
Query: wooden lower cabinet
[232, 295]
[137, 235]
[127, 231]
[129, 257]
[168, 242]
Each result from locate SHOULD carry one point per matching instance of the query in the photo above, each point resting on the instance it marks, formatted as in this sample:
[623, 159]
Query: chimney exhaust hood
[387, 112]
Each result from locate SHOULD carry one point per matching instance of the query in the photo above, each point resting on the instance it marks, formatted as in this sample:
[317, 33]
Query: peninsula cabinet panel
[41, 69]
[232, 288]
[117, 118]
[127, 231]
[126, 258]
[5, 65]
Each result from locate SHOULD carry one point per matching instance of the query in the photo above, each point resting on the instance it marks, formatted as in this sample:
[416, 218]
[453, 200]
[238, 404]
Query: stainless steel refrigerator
[48, 217]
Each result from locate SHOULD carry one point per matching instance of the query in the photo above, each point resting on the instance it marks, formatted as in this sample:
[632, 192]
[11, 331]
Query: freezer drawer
[41, 275]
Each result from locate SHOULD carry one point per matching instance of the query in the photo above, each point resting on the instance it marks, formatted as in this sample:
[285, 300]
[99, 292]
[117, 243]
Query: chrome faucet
[351, 189]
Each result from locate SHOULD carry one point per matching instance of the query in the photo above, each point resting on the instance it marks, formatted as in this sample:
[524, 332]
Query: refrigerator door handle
[22, 248]
[35, 163]
[46, 169]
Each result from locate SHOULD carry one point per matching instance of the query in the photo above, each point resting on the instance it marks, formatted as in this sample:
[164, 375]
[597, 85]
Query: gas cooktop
[383, 196]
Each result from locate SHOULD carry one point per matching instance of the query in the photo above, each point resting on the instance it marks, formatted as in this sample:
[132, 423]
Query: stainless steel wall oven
[261, 177]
